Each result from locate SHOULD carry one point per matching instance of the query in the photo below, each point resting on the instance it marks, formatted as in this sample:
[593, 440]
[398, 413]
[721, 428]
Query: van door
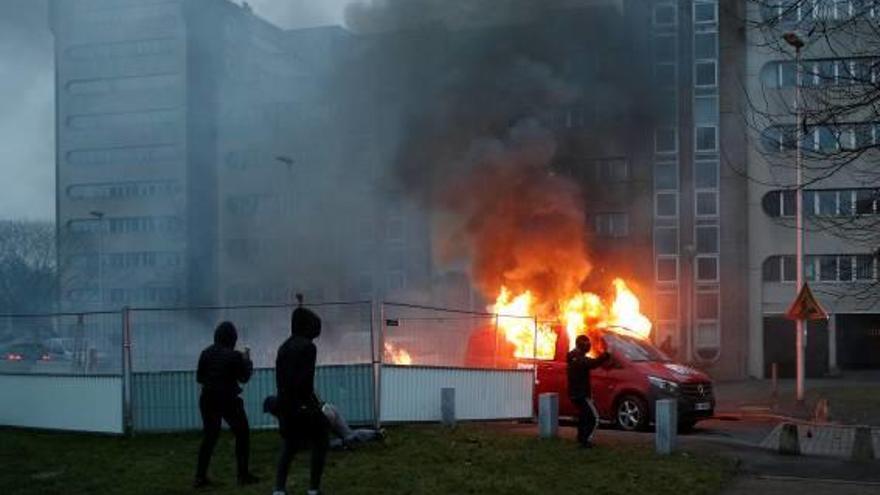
[605, 381]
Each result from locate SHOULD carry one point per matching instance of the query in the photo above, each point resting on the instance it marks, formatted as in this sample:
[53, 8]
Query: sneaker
[247, 479]
[202, 483]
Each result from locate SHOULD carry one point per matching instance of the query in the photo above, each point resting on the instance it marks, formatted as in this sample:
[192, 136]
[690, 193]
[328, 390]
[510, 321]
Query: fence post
[495, 348]
[377, 353]
[127, 419]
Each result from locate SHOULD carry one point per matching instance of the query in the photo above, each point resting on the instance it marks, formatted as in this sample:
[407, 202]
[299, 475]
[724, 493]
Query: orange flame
[581, 313]
[397, 355]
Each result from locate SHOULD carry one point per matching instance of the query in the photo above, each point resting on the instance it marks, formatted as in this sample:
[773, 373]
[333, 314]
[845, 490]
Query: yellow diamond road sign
[806, 307]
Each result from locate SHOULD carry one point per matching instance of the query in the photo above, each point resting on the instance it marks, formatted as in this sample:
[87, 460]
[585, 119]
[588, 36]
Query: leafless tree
[27, 266]
[839, 74]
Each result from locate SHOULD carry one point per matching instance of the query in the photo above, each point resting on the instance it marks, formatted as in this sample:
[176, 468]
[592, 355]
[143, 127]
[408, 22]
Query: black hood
[305, 323]
[225, 335]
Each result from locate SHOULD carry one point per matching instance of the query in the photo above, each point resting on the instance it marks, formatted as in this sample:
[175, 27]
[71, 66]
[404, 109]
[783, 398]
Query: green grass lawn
[415, 460]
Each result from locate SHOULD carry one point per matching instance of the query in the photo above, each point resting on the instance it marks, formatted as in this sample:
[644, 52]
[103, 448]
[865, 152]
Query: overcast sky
[27, 113]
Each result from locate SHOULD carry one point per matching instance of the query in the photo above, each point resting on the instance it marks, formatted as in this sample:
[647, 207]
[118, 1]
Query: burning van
[626, 388]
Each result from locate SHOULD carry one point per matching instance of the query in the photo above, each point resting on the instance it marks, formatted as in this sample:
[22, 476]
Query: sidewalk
[767, 485]
[853, 398]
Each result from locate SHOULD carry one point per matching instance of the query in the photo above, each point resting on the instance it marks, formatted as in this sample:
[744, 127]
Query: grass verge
[424, 460]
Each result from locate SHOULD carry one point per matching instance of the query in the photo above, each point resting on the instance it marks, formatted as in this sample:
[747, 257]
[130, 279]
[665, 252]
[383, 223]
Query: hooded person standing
[221, 369]
[579, 390]
[301, 422]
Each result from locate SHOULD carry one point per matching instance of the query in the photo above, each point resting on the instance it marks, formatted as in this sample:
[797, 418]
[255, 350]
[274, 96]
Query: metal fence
[88, 343]
[165, 345]
[139, 364]
[432, 336]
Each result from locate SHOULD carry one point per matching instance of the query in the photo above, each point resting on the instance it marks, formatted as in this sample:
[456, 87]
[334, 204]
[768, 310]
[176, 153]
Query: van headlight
[667, 386]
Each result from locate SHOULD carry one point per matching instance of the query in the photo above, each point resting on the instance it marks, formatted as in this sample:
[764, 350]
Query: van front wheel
[631, 413]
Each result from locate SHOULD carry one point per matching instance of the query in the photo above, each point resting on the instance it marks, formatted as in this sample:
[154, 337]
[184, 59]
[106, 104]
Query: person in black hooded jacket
[301, 422]
[221, 369]
[579, 390]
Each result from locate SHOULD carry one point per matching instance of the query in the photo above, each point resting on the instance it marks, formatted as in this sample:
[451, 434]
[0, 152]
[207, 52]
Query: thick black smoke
[491, 87]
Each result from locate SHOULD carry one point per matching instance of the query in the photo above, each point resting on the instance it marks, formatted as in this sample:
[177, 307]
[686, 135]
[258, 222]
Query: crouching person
[301, 422]
[221, 369]
[346, 437]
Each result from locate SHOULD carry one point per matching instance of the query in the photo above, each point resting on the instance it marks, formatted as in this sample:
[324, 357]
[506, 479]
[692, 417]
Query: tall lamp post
[796, 41]
[99, 217]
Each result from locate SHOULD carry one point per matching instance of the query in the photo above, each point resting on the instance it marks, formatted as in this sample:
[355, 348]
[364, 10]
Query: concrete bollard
[863, 445]
[789, 442]
[548, 415]
[447, 406]
[666, 426]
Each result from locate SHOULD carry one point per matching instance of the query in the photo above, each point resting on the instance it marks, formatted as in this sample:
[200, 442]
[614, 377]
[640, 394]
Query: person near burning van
[301, 422]
[221, 369]
[579, 366]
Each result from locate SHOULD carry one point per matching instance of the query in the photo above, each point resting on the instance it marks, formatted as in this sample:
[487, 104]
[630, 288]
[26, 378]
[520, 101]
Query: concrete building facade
[840, 208]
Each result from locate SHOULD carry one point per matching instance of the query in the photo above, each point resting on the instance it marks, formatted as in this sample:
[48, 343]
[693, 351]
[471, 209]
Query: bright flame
[580, 314]
[397, 355]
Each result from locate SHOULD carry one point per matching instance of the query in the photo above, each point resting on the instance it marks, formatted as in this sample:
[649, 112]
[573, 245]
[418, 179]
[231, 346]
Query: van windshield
[635, 350]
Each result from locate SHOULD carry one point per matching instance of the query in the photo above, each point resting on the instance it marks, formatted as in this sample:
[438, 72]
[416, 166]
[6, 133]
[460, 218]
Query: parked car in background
[59, 348]
[25, 352]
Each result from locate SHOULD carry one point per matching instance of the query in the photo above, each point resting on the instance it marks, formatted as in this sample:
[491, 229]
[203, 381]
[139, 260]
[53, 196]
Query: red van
[624, 389]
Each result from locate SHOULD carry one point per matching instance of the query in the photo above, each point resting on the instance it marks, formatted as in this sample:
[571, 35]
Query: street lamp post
[99, 216]
[795, 40]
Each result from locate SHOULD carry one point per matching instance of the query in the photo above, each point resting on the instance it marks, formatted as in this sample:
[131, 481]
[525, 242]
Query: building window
[865, 267]
[866, 201]
[705, 46]
[828, 268]
[667, 306]
[705, 12]
[664, 48]
[666, 240]
[823, 202]
[667, 269]
[665, 15]
[612, 170]
[666, 140]
[705, 174]
[667, 204]
[707, 268]
[612, 224]
[707, 306]
[707, 239]
[705, 74]
[707, 138]
[707, 203]
[666, 176]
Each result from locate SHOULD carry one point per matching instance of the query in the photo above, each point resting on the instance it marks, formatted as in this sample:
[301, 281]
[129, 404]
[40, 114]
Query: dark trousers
[588, 419]
[289, 447]
[214, 410]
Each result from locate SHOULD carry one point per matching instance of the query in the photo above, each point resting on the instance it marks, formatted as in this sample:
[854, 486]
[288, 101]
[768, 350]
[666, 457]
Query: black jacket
[295, 363]
[295, 373]
[221, 367]
[579, 366]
